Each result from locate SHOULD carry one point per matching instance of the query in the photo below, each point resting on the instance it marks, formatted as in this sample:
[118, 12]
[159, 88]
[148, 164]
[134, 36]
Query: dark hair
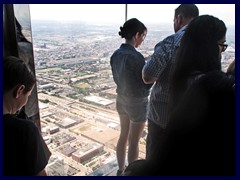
[16, 72]
[187, 11]
[199, 51]
[131, 27]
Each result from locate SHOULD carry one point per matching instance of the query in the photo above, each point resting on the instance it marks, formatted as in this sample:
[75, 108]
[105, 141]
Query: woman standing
[132, 93]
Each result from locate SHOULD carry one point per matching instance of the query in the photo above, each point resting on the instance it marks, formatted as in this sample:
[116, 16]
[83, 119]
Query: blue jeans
[135, 109]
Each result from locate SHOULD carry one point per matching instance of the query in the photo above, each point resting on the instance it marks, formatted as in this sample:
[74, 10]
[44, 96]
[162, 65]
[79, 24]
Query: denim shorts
[135, 109]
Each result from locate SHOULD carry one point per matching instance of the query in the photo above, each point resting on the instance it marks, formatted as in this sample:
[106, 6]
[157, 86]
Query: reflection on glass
[25, 51]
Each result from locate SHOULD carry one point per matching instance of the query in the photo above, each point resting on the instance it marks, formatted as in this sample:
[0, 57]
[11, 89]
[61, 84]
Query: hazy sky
[147, 13]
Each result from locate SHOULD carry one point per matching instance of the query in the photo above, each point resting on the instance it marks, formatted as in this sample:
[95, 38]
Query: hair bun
[121, 32]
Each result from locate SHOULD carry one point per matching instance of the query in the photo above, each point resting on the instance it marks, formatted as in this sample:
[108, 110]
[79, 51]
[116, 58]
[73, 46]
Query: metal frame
[9, 31]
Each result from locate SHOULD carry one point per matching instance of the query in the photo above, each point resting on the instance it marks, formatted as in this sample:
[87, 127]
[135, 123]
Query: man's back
[158, 69]
[160, 66]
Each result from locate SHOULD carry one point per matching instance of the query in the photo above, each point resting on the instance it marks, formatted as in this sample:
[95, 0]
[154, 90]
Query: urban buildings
[76, 93]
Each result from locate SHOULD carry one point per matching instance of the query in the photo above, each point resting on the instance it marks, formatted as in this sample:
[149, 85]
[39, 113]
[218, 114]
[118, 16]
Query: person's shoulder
[169, 38]
[114, 56]
[14, 121]
[215, 77]
[132, 58]
[139, 55]
[131, 53]
[168, 41]
[123, 49]
[216, 81]
[115, 52]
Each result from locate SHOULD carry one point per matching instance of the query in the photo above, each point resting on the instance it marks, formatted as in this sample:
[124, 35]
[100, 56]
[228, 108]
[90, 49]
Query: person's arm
[157, 62]
[148, 79]
[42, 173]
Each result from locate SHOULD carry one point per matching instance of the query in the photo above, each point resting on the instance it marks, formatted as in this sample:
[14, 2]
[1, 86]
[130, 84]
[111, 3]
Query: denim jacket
[127, 64]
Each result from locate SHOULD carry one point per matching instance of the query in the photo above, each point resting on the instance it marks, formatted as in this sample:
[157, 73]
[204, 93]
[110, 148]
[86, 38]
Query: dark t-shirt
[24, 150]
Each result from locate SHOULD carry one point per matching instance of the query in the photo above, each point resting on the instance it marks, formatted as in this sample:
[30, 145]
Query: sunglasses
[224, 46]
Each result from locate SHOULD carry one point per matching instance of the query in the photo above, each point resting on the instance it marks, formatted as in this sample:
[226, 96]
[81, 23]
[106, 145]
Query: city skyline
[153, 13]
